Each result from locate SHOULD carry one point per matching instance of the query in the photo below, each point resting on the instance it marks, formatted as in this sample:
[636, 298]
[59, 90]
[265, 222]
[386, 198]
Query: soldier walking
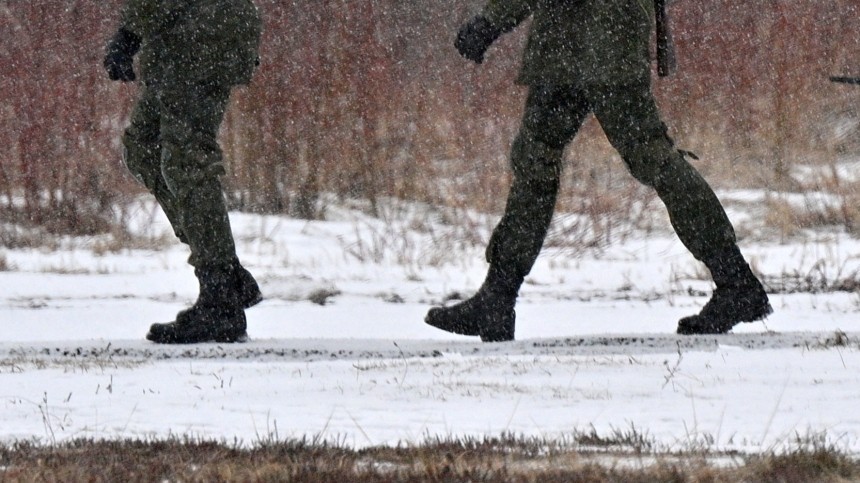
[582, 57]
[191, 53]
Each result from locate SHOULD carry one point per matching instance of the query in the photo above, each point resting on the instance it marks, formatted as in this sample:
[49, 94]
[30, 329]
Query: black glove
[119, 55]
[475, 37]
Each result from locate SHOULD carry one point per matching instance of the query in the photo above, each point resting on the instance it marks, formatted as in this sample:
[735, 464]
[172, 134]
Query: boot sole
[506, 334]
[502, 337]
[220, 339]
[460, 329]
[689, 328]
[176, 333]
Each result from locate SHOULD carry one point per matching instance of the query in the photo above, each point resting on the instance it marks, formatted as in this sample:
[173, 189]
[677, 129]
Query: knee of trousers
[185, 165]
[652, 161]
[534, 161]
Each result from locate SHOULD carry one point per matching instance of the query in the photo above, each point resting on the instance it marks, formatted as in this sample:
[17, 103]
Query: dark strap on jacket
[666, 61]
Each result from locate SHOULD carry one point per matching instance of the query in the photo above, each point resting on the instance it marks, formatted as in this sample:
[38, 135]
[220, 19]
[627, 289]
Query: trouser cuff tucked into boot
[739, 297]
[245, 283]
[488, 314]
[246, 286]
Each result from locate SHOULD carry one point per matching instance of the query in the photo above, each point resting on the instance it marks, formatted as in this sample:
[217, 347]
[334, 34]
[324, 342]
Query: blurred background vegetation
[369, 100]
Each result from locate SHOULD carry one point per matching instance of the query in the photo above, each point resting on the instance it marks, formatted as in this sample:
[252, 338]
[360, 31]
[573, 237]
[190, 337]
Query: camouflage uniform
[191, 53]
[579, 42]
[583, 57]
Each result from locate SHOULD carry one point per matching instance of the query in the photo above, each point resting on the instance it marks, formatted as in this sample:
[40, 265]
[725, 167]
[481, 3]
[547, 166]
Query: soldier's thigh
[553, 114]
[141, 140]
[194, 106]
[631, 121]
[190, 119]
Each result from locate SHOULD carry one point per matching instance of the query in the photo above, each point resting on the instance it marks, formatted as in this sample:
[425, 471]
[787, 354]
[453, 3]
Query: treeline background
[369, 99]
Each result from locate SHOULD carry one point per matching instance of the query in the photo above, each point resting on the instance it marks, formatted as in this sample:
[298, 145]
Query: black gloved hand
[475, 37]
[119, 55]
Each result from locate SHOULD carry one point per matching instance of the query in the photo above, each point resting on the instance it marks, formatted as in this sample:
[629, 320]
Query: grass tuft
[490, 459]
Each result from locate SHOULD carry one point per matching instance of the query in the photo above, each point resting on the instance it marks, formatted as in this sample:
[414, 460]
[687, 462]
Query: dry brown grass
[826, 201]
[489, 460]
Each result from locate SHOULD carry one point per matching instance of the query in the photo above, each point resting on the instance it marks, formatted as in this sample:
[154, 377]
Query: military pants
[171, 147]
[629, 117]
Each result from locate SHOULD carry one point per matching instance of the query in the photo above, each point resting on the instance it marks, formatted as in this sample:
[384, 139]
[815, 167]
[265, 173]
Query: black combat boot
[217, 316]
[249, 291]
[488, 314]
[739, 297]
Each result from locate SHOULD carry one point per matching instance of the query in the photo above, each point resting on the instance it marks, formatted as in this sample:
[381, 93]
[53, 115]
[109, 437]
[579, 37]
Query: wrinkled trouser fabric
[629, 117]
[171, 147]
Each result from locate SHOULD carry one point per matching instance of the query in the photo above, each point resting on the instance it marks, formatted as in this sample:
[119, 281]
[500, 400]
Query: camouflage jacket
[195, 40]
[580, 42]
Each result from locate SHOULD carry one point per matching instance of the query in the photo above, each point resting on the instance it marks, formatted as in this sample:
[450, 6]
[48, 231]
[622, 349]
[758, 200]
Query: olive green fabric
[517, 239]
[171, 147]
[580, 41]
[192, 52]
[195, 40]
[629, 117]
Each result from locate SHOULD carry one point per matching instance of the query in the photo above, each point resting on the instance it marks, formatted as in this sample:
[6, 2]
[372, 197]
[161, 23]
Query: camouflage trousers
[629, 117]
[171, 147]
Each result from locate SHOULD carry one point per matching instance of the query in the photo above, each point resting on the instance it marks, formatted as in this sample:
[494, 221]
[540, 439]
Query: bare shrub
[370, 100]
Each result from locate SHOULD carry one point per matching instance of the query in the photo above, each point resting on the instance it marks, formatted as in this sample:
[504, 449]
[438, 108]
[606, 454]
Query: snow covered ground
[595, 343]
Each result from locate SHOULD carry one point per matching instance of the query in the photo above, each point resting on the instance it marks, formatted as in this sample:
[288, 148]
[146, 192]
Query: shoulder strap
[666, 61]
